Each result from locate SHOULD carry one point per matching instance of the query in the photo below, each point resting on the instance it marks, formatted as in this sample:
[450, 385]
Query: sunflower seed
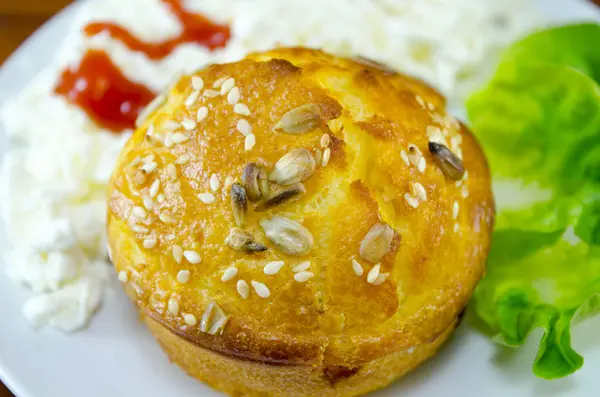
[293, 167]
[207, 317]
[288, 235]
[239, 203]
[300, 120]
[449, 163]
[376, 243]
[255, 181]
[241, 240]
[281, 196]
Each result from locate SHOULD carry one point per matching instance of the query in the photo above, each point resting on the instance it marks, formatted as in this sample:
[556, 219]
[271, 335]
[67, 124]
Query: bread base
[238, 377]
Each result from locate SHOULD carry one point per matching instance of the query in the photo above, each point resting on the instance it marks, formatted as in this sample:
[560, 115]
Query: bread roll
[300, 224]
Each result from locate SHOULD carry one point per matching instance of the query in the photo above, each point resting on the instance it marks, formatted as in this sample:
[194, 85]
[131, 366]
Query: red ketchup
[101, 89]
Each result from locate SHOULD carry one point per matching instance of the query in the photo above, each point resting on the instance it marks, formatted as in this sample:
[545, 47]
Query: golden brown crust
[253, 379]
[335, 319]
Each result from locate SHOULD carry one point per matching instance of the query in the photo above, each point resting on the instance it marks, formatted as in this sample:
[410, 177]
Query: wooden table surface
[18, 19]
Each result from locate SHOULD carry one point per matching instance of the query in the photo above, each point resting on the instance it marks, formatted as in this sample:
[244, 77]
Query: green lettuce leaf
[538, 121]
[542, 282]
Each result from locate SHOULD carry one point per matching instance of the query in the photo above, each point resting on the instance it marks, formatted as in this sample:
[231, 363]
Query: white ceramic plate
[116, 357]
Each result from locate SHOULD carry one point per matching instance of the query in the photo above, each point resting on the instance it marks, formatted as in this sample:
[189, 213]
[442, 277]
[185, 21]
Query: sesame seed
[183, 276]
[207, 198]
[183, 159]
[211, 94]
[135, 161]
[149, 158]
[192, 256]
[418, 191]
[139, 178]
[172, 171]
[301, 267]
[357, 267]
[229, 181]
[219, 82]
[326, 156]
[150, 243]
[241, 109]
[168, 219]
[243, 289]
[234, 96]
[456, 227]
[229, 274]
[169, 139]
[191, 99]
[414, 155]
[154, 188]
[177, 253]
[411, 201]
[303, 276]
[464, 192]
[149, 167]
[227, 86]
[160, 198]
[249, 142]
[430, 106]
[261, 289]
[381, 278]
[148, 203]
[273, 268]
[455, 209]
[188, 124]
[139, 229]
[404, 157]
[150, 130]
[318, 157]
[214, 182]
[455, 141]
[421, 166]
[420, 100]
[373, 274]
[179, 137]
[190, 319]
[123, 277]
[466, 175]
[244, 127]
[325, 140]
[202, 114]
[173, 307]
[170, 125]
[197, 83]
[139, 212]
